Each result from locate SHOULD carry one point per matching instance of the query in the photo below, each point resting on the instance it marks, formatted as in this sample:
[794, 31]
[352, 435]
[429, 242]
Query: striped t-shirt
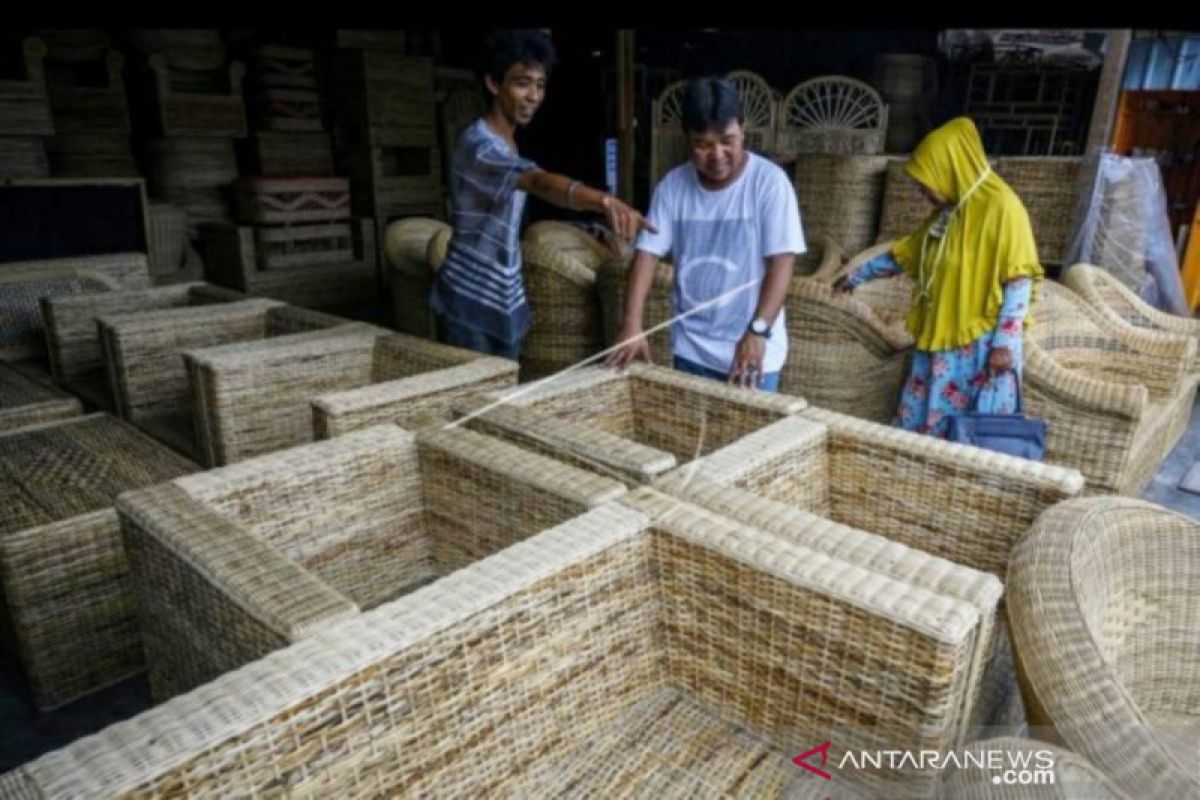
[479, 285]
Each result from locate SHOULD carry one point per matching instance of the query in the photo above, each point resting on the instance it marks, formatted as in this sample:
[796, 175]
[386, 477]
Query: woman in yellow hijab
[974, 266]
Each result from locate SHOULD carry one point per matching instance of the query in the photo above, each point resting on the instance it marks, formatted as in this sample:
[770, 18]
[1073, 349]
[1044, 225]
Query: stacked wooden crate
[25, 118]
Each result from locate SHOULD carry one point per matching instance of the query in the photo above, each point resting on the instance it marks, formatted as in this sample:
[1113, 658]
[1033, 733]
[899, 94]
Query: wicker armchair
[1105, 293]
[560, 263]
[24, 401]
[1117, 399]
[236, 562]
[1106, 622]
[259, 396]
[632, 425]
[406, 248]
[73, 342]
[968, 506]
[841, 354]
[146, 371]
[593, 659]
[66, 596]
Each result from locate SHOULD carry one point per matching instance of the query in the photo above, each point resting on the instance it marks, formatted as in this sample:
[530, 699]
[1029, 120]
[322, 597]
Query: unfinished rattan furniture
[1049, 189]
[904, 207]
[1105, 616]
[24, 401]
[172, 257]
[632, 425]
[259, 396]
[276, 548]
[406, 248]
[73, 340]
[560, 262]
[823, 255]
[1105, 293]
[593, 659]
[24, 103]
[833, 114]
[202, 103]
[668, 145]
[1116, 398]
[23, 284]
[759, 109]
[840, 195]
[1009, 768]
[841, 354]
[146, 370]
[63, 571]
[967, 505]
[263, 262]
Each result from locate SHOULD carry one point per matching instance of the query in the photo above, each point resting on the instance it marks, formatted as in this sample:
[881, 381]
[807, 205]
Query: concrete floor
[25, 734]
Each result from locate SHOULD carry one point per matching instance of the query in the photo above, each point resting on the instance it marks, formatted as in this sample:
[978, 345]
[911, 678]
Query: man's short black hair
[502, 49]
[710, 104]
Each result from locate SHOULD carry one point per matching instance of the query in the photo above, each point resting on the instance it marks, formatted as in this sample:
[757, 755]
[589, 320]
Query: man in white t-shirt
[729, 221]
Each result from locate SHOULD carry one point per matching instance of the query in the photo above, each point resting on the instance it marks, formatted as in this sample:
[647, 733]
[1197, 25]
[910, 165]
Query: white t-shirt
[718, 242]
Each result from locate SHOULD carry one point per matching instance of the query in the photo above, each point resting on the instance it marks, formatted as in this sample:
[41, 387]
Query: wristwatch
[760, 327]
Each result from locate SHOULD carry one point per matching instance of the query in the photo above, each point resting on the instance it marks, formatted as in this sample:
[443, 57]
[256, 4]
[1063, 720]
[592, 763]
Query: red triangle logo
[802, 760]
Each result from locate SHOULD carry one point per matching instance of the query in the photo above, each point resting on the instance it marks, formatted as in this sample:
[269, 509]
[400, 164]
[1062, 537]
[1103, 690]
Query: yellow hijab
[988, 241]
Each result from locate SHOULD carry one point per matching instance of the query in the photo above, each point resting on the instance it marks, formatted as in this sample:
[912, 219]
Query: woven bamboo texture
[73, 340]
[759, 108]
[966, 505]
[195, 174]
[414, 384]
[387, 180]
[232, 258]
[668, 145]
[1116, 398]
[1105, 293]
[172, 258]
[841, 354]
[24, 103]
[560, 263]
[332, 527]
[292, 246]
[24, 402]
[1049, 189]
[406, 248]
[385, 99]
[65, 578]
[146, 371]
[1106, 620]
[219, 114]
[91, 155]
[275, 153]
[632, 425]
[841, 195]
[904, 207]
[285, 201]
[598, 653]
[257, 397]
[1071, 775]
[24, 283]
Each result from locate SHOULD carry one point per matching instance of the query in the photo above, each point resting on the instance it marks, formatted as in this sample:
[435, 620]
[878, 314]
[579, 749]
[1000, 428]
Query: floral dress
[943, 383]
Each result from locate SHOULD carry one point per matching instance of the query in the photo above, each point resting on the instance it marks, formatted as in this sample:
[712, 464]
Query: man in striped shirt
[479, 294]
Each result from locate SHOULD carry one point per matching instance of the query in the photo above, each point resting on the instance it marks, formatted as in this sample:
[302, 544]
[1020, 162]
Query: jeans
[767, 383]
[457, 335]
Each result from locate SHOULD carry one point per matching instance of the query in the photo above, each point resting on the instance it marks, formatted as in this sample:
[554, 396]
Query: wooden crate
[24, 103]
[295, 246]
[283, 201]
[278, 153]
[385, 99]
[91, 109]
[194, 113]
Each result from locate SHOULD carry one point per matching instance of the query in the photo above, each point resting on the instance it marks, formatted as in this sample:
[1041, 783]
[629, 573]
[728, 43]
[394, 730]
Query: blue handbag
[1012, 434]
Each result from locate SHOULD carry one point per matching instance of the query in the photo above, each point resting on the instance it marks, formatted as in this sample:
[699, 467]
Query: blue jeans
[767, 383]
[452, 333]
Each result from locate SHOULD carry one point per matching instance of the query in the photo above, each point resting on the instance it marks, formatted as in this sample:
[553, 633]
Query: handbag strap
[1020, 402]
